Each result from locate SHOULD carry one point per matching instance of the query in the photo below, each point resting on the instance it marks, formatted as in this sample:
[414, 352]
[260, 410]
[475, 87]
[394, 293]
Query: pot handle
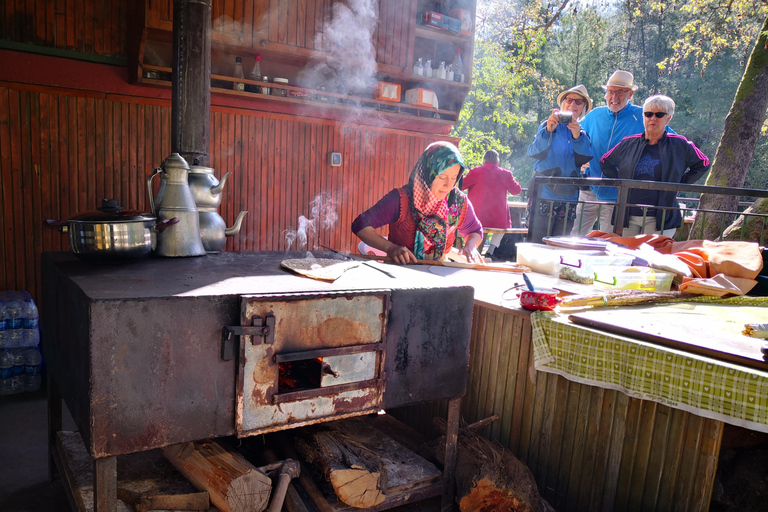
[164, 224]
[58, 225]
[155, 172]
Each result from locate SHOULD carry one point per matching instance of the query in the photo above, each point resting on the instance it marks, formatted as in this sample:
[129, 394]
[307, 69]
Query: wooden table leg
[105, 484]
[449, 470]
[54, 423]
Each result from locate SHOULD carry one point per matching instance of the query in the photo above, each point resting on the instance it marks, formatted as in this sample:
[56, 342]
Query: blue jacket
[558, 154]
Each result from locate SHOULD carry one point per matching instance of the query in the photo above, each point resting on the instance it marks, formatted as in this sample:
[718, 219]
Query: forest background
[527, 52]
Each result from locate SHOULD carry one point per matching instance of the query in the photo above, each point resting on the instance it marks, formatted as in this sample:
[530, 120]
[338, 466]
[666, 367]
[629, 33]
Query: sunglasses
[657, 114]
[576, 101]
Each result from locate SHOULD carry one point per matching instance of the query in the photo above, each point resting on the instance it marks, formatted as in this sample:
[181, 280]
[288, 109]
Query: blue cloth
[558, 154]
[605, 130]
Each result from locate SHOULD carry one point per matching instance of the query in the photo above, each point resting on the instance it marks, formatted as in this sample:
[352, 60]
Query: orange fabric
[658, 242]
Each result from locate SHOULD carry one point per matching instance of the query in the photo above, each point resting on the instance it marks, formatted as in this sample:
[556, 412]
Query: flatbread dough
[323, 269]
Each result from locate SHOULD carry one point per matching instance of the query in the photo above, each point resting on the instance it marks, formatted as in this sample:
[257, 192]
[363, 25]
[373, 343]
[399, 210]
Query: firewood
[234, 484]
[490, 478]
[355, 472]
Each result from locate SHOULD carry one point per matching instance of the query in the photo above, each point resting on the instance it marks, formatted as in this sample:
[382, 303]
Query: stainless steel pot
[111, 234]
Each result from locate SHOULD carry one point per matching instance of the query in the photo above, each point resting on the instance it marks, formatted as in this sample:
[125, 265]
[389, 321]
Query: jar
[280, 92]
[265, 90]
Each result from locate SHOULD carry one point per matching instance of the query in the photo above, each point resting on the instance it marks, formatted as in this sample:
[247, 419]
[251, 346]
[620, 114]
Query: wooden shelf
[444, 36]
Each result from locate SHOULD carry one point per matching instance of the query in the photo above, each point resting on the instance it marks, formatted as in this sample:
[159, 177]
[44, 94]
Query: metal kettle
[174, 199]
[206, 191]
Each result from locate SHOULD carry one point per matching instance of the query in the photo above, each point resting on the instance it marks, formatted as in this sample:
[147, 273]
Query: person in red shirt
[487, 188]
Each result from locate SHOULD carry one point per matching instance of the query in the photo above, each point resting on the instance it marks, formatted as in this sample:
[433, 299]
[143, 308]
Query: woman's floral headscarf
[434, 217]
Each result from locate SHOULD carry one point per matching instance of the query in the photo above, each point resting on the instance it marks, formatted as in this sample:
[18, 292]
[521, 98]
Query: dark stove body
[135, 349]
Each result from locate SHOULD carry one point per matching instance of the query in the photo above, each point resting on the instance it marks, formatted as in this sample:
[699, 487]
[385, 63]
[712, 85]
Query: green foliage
[526, 53]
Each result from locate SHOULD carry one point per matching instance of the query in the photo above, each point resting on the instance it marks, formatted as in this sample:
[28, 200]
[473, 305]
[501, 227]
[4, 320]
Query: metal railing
[625, 186]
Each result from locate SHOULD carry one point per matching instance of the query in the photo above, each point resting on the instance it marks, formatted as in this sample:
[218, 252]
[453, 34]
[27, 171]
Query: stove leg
[54, 424]
[105, 484]
[449, 470]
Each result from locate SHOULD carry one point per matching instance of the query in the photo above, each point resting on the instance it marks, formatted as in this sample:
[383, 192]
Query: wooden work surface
[712, 330]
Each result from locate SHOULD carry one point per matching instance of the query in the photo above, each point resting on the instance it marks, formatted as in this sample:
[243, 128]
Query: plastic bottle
[33, 359]
[3, 341]
[441, 71]
[458, 69]
[6, 372]
[14, 329]
[18, 361]
[255, 75]
[238, 86]
[31, 324]
[418, 68]
[428, 69]
[449, 73]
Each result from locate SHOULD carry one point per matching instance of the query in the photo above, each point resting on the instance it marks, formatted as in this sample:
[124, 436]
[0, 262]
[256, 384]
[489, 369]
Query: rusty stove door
[316, 357]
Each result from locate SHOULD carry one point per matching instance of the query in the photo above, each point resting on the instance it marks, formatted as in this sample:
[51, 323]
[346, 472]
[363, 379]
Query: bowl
[543, 299]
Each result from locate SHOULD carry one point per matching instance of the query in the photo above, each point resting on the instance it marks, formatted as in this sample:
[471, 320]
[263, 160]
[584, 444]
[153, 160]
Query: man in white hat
[606, 126]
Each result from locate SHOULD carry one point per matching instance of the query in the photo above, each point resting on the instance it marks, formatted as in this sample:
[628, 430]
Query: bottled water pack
[20, 357]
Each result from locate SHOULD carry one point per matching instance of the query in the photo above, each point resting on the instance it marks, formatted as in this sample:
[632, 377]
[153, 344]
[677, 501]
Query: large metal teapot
[174, 199]
[206, 191]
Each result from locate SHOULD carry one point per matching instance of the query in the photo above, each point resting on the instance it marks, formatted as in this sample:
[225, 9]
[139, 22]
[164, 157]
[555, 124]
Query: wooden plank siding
[590, 449]
[62, 153]
[97, 27]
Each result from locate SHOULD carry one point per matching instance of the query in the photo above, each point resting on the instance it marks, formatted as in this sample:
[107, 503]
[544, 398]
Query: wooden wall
[590, 449]
[61, 152]
[87, 26]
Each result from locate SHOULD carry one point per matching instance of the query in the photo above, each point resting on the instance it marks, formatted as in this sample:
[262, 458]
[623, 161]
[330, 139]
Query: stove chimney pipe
[191, 99]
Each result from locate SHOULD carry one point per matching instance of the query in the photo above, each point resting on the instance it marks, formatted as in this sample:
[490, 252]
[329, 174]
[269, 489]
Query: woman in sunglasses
[560, 148]
[654, 155]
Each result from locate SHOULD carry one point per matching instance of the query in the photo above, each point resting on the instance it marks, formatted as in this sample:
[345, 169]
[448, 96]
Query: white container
[540, 258]
[632, 278]
[579, 266]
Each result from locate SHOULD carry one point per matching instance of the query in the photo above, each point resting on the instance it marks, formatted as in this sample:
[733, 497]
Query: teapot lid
[175, 160]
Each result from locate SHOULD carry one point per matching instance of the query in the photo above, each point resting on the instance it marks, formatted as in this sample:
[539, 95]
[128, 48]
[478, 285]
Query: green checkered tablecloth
[698, 384]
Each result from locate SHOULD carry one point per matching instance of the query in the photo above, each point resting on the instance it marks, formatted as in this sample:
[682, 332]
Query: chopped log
[356, 473]
[142, 503]
[233, 483]
[490, 478]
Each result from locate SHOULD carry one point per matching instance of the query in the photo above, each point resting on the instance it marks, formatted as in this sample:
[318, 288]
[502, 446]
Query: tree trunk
[749, 228]
[490, 478]
[737, 145]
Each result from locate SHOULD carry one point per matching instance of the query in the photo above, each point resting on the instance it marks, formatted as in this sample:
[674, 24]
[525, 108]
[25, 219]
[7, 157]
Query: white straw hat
[623, 79]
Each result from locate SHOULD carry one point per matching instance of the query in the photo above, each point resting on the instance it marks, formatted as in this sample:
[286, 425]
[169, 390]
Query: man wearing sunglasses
[606, 126]
[654, 155]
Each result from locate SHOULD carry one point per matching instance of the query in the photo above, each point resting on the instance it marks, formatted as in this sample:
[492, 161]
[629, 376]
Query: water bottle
[31, 322]
[18, 361]
[418, 68]
[33, 359]
[458, 72]
[428, 69]
[3, 341]
[6, 372]
[441, 72]
[14, 332]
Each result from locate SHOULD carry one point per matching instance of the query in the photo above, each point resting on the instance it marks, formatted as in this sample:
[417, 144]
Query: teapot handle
[155, 172]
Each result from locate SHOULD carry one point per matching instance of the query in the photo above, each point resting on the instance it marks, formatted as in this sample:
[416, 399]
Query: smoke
[349, 67]
[323, 213]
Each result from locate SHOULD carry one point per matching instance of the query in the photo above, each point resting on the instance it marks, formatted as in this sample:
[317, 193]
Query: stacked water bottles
[20, 357]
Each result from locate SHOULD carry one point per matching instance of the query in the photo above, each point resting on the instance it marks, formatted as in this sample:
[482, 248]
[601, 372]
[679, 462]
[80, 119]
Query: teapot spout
[216, 189]
[235, 229]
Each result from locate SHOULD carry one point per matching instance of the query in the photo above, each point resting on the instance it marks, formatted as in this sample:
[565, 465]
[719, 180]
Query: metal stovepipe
[191, 100]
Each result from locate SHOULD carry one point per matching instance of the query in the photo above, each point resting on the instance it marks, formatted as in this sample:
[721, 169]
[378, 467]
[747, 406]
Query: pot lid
[111, 212]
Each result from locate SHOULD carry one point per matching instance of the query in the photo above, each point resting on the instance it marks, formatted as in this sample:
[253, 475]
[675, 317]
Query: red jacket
[487, 188]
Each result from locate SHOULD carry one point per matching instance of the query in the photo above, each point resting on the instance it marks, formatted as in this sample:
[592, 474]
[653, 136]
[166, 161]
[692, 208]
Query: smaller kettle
[174, 199]
[207, 193]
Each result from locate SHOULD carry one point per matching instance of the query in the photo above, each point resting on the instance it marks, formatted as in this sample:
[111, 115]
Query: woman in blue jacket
[560, 148]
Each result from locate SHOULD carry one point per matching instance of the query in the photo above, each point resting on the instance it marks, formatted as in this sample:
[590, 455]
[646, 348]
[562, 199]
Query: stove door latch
[261, 330]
